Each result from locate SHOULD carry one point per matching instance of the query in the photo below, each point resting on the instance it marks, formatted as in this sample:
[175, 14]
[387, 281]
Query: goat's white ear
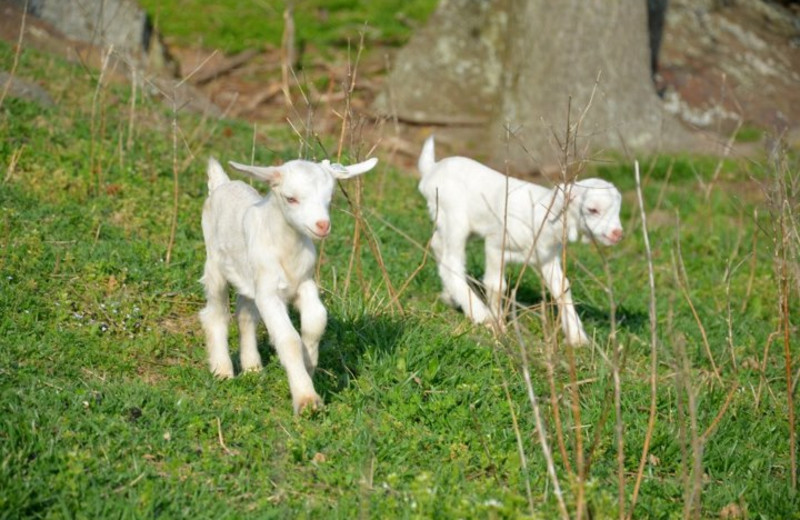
[270, 174]
[570, 191]
[345, 172]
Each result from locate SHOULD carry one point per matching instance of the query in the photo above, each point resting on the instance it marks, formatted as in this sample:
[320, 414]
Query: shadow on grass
[348, 343]
[632, 321]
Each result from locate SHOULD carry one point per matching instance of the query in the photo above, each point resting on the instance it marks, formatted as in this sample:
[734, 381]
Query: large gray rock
[519, 70]
[103, 23]
[728, 61]
[451, 70]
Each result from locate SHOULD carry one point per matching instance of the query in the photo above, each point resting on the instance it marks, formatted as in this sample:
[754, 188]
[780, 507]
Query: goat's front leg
[247, 315]
[559, 288]
[313, 319]
[215, 318]
[290, 349]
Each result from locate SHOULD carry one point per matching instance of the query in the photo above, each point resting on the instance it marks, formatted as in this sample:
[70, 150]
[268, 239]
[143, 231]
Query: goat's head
[303, 190]
[593, 208]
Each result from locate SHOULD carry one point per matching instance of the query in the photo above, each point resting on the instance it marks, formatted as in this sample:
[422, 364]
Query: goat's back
[224, 211]
[461, 184]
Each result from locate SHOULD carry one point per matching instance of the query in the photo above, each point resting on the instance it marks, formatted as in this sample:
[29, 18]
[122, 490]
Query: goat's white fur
[263, 248]
[520, 222]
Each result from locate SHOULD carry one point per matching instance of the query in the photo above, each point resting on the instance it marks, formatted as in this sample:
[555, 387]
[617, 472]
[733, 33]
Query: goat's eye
[292, 200]
[593, 211]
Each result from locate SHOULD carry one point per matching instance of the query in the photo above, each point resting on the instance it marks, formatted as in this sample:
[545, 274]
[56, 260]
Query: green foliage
[234, 25]
[107, 409]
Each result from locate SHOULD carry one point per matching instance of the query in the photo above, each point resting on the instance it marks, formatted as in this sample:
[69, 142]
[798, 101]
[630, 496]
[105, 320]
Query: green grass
[107, 409]
[233, 26]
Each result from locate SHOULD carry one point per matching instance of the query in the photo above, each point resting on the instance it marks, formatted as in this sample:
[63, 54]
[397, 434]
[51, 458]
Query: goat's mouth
[609, 239]
[315, 234]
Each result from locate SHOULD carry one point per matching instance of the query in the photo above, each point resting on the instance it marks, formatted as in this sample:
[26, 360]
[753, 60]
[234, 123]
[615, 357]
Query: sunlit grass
[107, 408]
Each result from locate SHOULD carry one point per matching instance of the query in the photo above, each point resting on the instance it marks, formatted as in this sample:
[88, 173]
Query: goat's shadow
[348, 340]
[633, 321]
[342, 349]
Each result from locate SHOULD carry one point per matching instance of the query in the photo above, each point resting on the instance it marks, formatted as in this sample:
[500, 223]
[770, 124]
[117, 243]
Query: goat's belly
[242, 282]
[520, 257]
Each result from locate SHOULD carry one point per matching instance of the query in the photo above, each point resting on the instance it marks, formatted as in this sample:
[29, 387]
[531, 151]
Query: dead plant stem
[520, 445]
[17, 52]
[651, 421]
[540, 426]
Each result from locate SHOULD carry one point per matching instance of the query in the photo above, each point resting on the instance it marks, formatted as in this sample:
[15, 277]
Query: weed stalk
[651, 420]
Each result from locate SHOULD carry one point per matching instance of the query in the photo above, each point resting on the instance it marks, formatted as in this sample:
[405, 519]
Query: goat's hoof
[447, 299]
[222, 370]
[578, 340]
[308, 403]
[497, 327]
[251, 367]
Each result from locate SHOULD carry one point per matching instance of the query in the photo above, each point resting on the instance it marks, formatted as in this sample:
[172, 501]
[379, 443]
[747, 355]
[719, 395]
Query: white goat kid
[520, 222]
[263, 248]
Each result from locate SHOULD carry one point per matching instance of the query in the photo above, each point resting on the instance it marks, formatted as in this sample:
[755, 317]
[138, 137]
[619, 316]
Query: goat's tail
[427, 158]
[216, 175]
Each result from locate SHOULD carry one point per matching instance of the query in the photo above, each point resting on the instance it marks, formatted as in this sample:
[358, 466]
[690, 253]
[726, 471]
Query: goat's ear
[569, 191]
[270, 174]
[561, 199]
[345, 172]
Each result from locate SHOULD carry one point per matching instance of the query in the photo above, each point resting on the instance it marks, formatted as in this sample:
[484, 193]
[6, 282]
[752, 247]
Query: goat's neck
[568, 215]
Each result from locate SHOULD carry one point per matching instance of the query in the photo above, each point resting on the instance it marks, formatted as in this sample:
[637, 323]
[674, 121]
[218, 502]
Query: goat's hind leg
[451, 260]
[248, 318]
[437, 245]
[495, 283]
[215, 318]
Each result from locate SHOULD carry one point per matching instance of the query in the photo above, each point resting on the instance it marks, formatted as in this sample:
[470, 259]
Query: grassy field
[107, 409]
[233, 26]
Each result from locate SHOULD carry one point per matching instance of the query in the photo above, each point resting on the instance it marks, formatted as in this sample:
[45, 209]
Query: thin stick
[753, 263]
[562, 447]
[651, 421]
[786, 328]
[17, 53]
[691, 505]
[175, 187]
[725, 153]
[540, 428]
[683, 283]
[131, 483]
[221, 440]
[12, 163]
[355, 260]
[713, 425]
[287, 52]
[520, 447]
[95, 168]
[413, 275]
[580, 465]
[619, 426]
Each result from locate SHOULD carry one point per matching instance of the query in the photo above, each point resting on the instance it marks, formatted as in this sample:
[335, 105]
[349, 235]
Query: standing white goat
[263, 248]
[519, 221]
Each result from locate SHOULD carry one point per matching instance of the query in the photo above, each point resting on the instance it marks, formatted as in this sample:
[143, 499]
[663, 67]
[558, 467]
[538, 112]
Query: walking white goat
[519, 221]
[263, 248]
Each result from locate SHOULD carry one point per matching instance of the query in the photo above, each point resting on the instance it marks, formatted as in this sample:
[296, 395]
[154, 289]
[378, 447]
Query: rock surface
[120, 24]
[725, 61]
